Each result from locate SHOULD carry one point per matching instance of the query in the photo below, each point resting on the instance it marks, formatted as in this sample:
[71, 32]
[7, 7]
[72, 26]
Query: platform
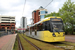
[7, 42]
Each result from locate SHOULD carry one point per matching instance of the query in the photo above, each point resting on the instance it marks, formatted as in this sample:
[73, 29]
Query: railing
[3, 33]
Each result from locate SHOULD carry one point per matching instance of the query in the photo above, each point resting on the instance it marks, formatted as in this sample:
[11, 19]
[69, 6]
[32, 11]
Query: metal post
[5, 29]
[23, 24]
[23, 30]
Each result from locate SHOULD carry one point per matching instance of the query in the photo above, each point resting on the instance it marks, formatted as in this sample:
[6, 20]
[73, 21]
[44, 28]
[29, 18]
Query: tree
[52, 14]
[67, 12]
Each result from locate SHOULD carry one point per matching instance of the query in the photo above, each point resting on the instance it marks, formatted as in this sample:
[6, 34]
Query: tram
[49, 30]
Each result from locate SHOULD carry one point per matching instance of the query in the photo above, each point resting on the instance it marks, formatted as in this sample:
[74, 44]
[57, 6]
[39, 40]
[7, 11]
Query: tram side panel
[47, 36]
[38, 35]
[27, 34]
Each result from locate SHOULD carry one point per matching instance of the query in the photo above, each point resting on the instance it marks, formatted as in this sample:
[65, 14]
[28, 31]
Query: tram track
[67, 44]
[52, 43]
[32, 44]
[55, 44]
[70, 41]
[19, 42]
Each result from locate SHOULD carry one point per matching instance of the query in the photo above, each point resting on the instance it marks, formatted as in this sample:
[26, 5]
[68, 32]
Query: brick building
[39, 14]
[7, 23]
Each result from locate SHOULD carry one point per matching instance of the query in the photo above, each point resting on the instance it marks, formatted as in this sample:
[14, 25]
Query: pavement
[70, 38]
[7, 42]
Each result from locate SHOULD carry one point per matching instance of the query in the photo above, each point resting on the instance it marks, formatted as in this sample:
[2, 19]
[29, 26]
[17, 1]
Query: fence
[3, 33]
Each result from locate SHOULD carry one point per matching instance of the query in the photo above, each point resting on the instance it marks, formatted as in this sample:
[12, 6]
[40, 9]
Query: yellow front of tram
[55, 31]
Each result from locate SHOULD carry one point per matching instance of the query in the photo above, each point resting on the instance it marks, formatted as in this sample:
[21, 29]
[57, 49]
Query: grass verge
[42, 45]
[25, 44]
[16, 45]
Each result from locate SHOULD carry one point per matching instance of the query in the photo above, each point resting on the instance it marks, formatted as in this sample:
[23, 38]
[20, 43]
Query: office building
[23, 23]
[7, 23]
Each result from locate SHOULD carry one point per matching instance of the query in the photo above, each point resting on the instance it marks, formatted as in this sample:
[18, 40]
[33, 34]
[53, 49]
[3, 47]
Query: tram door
[36, 30]
[29, 30]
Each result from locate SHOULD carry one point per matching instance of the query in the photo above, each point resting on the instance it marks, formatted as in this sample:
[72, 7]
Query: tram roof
[46, 19]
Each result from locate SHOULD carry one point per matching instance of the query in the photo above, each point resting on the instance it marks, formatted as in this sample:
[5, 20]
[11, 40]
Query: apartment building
[39, 14]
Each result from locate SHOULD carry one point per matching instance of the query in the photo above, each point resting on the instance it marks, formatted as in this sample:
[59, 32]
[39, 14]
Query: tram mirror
[40, 23]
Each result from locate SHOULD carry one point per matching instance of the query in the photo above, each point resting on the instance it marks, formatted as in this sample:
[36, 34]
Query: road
[70, 38]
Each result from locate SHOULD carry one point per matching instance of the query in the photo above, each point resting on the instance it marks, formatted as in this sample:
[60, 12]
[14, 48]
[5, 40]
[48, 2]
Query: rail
[19, 42]
[32, 44]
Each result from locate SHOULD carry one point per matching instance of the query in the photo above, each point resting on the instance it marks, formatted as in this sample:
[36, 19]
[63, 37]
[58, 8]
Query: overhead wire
[24, 8]
[23, 13]
[48, 4]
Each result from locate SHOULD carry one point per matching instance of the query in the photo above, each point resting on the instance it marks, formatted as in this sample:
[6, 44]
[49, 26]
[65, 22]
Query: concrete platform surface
[7, 42]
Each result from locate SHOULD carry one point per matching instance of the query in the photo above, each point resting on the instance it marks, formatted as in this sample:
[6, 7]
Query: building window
[3, 28]
[46, 12]
[2, 25]
[12, 20]
[12, 17]
[34, 11]
[5, 17]
[42, 17]
[39, 13]
[7, 27]
[5, 20]
[12, 27]
[42, 12]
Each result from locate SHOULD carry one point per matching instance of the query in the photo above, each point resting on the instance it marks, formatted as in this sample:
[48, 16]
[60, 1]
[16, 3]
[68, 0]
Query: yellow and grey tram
[48, 30]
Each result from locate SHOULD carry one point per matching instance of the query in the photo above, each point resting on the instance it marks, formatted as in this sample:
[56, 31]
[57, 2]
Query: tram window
[32, 28]
[30, 31]
[39, 27]
[46, 25]
[35, 32]
[43, 26]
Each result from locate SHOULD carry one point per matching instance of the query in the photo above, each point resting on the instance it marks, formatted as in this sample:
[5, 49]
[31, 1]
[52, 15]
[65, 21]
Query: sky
[15, 8]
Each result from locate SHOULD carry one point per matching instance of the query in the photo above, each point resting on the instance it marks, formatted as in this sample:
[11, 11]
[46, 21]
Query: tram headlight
[54, 34]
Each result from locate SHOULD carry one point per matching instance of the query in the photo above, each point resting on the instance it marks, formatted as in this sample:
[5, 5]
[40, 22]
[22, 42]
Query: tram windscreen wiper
[55, 31]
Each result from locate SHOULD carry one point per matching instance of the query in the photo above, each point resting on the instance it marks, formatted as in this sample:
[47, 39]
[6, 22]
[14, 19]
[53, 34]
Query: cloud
[15, 8]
